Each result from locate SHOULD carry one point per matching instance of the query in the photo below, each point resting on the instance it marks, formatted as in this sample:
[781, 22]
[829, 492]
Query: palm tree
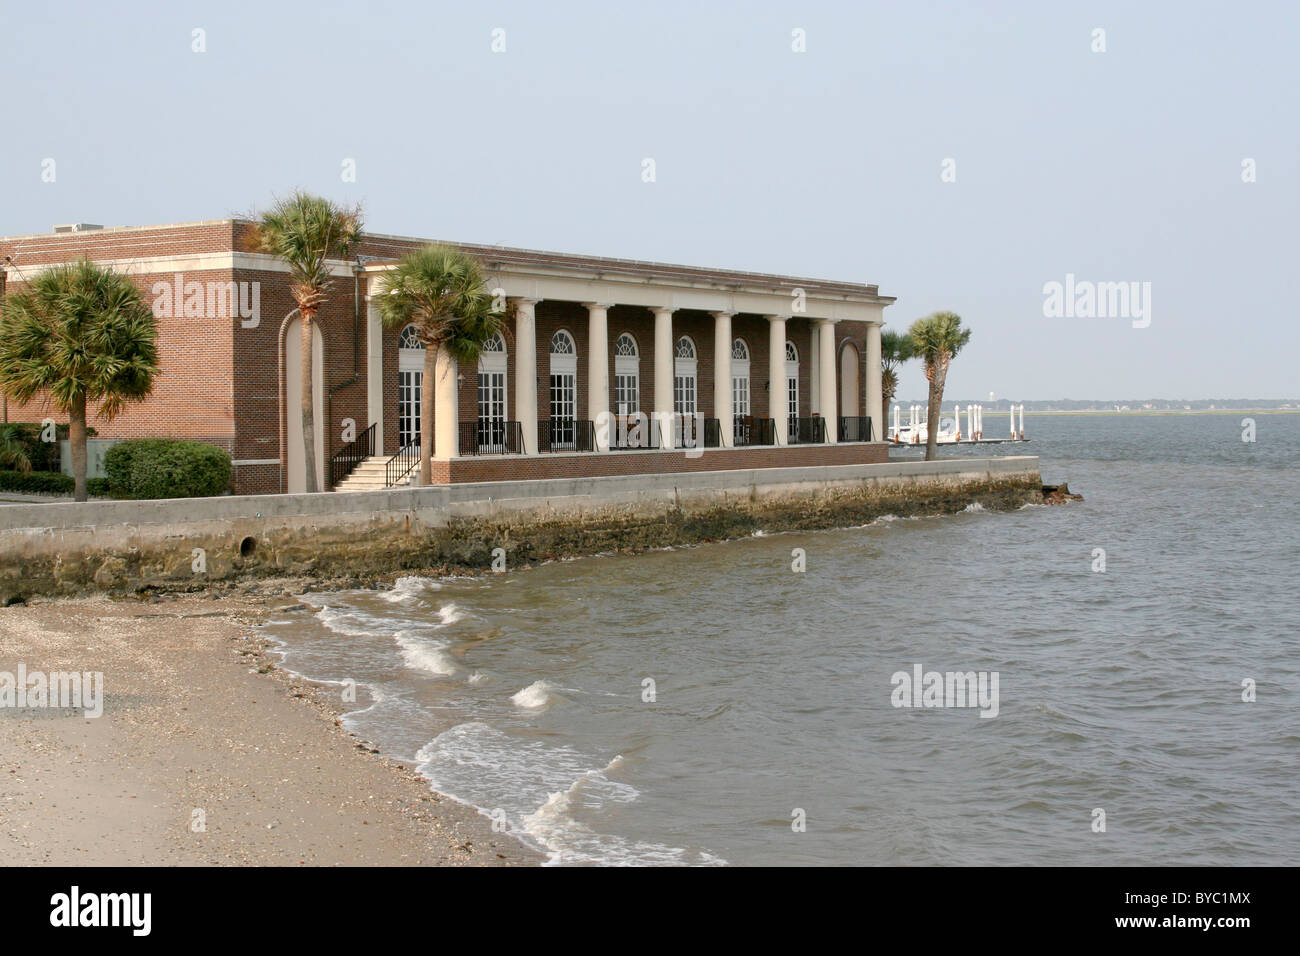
[440, 290]
[936, 340]
[895, 349]
[78, 333]
[309, 233]
[13, 449]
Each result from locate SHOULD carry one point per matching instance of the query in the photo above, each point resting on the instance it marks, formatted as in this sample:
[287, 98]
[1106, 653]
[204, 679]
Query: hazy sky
[1123, 165]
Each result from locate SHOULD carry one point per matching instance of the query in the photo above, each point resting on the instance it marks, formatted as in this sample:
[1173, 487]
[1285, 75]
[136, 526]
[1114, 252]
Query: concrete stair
[369, 476]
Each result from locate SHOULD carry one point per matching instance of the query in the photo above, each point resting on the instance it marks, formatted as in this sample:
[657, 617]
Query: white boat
[915, 430]
[919, 433]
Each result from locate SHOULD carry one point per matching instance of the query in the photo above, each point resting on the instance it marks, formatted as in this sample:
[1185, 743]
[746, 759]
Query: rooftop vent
[77, 227]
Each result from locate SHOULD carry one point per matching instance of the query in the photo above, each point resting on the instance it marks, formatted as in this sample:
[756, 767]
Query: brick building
[609, 366]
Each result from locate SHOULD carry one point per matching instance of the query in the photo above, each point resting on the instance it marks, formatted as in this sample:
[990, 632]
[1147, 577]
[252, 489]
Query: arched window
[739, 388]
[562, 344]
[791, 353]
[685, 348]
[409, 339]
[625, 347]
[564, 391]
[410, 381]
[627, 376]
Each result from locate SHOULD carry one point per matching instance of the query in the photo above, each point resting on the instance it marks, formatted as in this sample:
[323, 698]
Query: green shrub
[25, 438]
[99, 487]
[161, 468]
[36, 481]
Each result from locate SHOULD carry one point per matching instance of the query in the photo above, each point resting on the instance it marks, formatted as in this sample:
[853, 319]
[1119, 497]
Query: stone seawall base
[417, 531]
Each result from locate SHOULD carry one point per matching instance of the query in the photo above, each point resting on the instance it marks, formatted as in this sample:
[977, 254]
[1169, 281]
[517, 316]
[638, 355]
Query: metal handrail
[400, 465]
[345, 461]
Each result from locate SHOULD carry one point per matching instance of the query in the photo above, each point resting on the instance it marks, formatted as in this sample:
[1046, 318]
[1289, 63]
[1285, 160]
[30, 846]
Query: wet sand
[206, 752]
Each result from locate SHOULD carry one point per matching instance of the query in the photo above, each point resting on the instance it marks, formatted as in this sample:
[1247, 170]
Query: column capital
[821, 321]
[662, 309]
[723, 314]
[777, 318]
[598, 305]
[523, 300]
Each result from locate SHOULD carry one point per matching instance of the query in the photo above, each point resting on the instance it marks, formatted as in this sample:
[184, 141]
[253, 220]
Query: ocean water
[772, 735]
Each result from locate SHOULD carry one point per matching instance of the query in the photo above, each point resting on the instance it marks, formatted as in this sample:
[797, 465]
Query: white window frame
[493, 394]
[627, 376]
[564, 395]
[410, 382]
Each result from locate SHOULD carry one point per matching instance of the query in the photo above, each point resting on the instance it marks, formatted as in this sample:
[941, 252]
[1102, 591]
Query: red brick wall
[192, 396]
[518, 468]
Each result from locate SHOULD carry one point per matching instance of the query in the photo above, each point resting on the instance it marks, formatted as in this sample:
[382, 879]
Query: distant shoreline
[991, 412]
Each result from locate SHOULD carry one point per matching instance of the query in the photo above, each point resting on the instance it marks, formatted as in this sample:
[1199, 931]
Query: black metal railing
[400, 465]
[634, 431]
[712, 433]
[686, 431]
[491, 436]
[855, 428]
[754, 431]
[807, 431]
[566, 434]
[350, 455]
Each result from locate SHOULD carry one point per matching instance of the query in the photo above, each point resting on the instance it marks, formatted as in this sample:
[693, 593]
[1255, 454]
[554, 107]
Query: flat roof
[512, 256]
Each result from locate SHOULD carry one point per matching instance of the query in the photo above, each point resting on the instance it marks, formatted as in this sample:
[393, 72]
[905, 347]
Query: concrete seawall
[65, 548]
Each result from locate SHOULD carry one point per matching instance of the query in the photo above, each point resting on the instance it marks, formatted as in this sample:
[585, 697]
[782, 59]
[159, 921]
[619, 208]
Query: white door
[491, 430]
[627, 388]
[792, 388]
[739, 389]
[685, 389]
[410, 383]
[564, 392]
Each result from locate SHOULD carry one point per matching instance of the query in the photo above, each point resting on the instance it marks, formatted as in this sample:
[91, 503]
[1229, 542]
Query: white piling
[1013, 422]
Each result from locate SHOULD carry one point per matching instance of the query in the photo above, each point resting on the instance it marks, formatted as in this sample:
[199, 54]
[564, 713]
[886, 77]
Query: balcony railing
[712, 433]
[400, 465]
[633, 431]
[350, 455]
[491, 436]
[565, 434]
[751, 431]
[855, 428]
[807, 431]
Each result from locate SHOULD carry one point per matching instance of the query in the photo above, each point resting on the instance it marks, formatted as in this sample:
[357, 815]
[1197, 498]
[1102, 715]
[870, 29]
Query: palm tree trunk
[77, 442]
[937, 375]
[427, 392]
[308, 405]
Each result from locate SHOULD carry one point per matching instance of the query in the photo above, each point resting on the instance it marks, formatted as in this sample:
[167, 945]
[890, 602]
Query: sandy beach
[206, 753]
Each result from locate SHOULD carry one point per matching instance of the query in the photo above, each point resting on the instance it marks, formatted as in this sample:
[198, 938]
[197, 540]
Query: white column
[526, 372]
[777, 399]
[598, 371]
[722, 397]
[875, 402]
[375, 365]
[664, 376]
[826, 348]
[446, 413]
[814, 368]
